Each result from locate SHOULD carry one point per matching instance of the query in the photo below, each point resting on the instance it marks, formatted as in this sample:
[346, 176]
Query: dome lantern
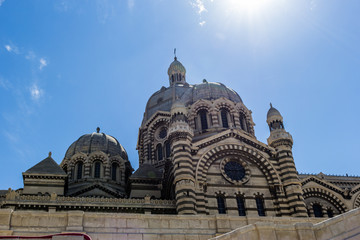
[176, 72]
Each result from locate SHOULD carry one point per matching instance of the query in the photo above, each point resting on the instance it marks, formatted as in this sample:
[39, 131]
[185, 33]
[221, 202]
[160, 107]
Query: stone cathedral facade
[198, 156]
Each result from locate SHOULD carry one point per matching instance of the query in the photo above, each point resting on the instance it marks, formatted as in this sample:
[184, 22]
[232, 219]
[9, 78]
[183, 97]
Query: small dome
[273, 112]
[176, 67]
[96, 141]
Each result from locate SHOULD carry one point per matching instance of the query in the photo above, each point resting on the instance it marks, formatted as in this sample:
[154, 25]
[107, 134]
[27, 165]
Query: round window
[162, 133]
[234, 170]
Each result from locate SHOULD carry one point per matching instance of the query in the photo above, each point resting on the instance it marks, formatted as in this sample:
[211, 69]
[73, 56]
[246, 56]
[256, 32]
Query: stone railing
[14, 199]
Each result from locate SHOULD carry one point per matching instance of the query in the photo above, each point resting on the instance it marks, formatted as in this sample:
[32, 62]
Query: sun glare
[249, 7]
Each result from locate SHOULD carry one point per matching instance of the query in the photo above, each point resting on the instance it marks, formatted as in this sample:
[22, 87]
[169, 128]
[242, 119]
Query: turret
[282, 142]
[180, 135]
[278, 136]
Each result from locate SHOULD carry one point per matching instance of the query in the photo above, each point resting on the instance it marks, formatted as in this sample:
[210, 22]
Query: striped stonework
[184, 177]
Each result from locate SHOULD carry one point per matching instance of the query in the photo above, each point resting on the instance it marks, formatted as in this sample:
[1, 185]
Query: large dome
[162, 100]
[96, 141]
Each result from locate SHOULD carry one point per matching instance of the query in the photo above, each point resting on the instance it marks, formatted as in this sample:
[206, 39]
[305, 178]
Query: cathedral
[202, 174]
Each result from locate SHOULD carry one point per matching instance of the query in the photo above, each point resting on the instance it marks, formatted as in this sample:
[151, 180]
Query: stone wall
[103, 226]
[344, 226]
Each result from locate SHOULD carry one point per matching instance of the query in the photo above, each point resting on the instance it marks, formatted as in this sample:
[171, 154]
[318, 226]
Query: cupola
[176, 73]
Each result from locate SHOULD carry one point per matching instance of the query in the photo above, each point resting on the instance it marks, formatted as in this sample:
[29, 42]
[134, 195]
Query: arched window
[221, 204]
[330, 213]
[114, 168]
[79, 170]
[224, 118]
[243, 122]
[203, 119]
[149, 148]
[97, 168]
[241, 205]
[317, 210]
[159, 152]
[167, 149]
[260, 206]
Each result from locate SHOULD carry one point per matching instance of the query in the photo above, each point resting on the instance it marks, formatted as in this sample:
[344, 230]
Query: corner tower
[180, 136]
[282, 142]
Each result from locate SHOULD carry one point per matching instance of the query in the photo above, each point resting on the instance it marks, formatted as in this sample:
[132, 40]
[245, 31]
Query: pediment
[235, 134]
[97, 190]
[313, 179]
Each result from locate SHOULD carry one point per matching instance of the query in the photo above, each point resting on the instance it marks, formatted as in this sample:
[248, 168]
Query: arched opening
[114, 169]
[330, 213]
[167, 149]
[79, 170]
[221, 204]
[224, 118]
[203, 119]
[149, 148]
[260, 206]
[241, 205]
[243, 124]
[159, 152]
[317, 208]
[97, 170]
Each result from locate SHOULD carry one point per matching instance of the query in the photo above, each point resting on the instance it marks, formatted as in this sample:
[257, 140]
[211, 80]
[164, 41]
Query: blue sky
[67, 67]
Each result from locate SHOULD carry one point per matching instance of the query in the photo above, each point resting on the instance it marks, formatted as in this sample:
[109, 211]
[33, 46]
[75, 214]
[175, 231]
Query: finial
[270, 105]
[49, 154]
[175, 54]
[97, 129]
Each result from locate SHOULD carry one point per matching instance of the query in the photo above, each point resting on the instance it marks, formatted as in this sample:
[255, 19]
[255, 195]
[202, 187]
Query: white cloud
[43, 63]
[8, 47]
[36, 92]
[199, 4]
[202, 23]
[11, 48]
[131, 4]
[1, 2]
